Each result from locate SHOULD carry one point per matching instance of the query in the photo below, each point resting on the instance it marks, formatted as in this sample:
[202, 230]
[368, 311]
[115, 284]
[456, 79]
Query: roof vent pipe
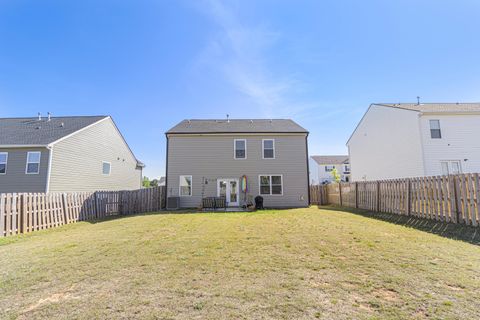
[49, 116]
[39, 116]
[228, 118]
[418, 101]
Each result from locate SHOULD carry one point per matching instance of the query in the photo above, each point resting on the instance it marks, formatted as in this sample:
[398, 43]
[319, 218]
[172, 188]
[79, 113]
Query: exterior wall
[77, 161]
[209, 157]
[16, 180]
[314, 174]
[386, 145]
[326, 177]
[460, 140]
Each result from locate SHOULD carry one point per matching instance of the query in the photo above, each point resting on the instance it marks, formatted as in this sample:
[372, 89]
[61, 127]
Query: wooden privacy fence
[27, 212]
[453, 198]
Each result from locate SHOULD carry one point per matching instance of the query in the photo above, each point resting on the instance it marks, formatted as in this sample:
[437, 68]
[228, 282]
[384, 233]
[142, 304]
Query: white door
[228, 188]
[451, 167]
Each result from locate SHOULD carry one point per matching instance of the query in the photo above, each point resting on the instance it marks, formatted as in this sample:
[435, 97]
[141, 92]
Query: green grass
[291, 264]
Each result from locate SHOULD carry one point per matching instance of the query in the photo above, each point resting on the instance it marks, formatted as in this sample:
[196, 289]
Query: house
[57, 154]
[411, 140]
[239, 160]
[321, 168]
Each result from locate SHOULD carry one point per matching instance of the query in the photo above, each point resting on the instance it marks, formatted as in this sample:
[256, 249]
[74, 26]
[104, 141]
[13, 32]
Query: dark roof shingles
[238, 126]
[31, 131]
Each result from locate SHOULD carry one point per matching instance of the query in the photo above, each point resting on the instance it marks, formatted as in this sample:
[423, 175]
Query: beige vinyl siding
[210, 157]
[15, 180]
[77, 161]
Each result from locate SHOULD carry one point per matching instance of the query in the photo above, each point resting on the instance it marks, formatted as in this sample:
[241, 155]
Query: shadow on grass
[448, 230]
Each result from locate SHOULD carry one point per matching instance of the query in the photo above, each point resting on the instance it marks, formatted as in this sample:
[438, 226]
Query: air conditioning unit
[173, 203]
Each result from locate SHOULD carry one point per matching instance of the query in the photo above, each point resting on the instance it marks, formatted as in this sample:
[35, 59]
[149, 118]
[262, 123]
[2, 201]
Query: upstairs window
[271, 185]
[185, 186]
[435, 132]
[347, 168]
[268, 148]
[33, 162]
[3, 162]
[329, 168]
[240, 146]
[106, 168]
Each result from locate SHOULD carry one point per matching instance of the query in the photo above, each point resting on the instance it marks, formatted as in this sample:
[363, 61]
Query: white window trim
[235, 149]
[109, 171]
[39, 161]
[449, 164]
[6, 162]
[260, 185]
[180, 186]
[263, 149]
[439, 129]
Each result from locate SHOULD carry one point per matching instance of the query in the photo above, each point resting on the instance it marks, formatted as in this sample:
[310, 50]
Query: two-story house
[321, 168]
[410, 140]
[238, 159]
[56, 154]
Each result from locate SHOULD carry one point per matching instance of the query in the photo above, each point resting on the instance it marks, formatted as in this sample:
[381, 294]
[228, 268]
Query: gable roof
[212, 126]
[330, 159]
[434, 107]
[425, 108]
[31, 131]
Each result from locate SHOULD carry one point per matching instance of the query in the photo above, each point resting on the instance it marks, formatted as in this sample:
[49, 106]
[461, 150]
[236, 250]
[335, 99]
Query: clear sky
[150, 64]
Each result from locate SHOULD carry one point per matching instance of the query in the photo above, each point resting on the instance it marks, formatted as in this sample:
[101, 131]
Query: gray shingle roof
[31, 131]
[435, 107]
[330, 159]
[238, 126]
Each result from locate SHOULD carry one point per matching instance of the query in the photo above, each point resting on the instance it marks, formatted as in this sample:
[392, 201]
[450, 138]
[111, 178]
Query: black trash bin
[258, 202]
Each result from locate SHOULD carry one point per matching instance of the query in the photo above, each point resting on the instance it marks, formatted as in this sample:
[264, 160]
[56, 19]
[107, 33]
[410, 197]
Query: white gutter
[23, 146]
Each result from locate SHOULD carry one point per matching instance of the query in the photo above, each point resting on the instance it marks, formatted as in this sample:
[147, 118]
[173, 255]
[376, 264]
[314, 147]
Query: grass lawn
[291, 264]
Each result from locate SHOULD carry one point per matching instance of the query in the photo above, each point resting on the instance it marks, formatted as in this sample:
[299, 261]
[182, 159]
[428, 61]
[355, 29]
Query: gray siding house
[57, 154]
[238, 159]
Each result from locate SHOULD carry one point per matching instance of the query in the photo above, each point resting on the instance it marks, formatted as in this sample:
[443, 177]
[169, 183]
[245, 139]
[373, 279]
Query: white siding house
[411, 140]
[321, 168]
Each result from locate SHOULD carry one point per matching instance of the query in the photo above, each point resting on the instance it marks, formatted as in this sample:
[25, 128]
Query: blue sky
[150, 64]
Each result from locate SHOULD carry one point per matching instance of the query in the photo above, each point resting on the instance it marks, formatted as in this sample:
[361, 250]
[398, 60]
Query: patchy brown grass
[301, 264]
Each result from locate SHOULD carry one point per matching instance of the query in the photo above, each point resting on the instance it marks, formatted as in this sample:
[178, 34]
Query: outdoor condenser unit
[173, 203]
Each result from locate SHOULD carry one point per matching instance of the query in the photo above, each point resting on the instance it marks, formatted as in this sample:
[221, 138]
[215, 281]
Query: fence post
[378, 196]
[96, 204]
[356, 195]
[64, 207]
[23, 210]
[409, 197]
[457, 199]
[340, 193]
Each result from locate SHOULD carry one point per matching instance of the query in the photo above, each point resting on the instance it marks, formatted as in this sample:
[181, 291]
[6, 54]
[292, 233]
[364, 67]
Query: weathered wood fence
[27, 212]
[453, 198]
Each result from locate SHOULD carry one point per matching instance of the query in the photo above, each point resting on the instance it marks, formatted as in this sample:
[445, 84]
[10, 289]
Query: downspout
[308, 169]
[49, 168]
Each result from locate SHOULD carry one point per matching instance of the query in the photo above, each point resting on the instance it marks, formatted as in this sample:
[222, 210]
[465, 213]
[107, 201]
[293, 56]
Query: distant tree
[154, 183]
[146, 182]
[335, 175]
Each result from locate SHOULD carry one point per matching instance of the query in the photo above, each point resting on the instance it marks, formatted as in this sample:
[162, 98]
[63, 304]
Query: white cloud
[239, 51]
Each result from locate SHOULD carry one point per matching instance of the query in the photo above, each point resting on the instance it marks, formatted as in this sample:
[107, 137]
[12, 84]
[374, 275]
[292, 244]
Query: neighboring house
[321, 168]
[65, 154]
[410, 140]
[161, 182]
[207, 158]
